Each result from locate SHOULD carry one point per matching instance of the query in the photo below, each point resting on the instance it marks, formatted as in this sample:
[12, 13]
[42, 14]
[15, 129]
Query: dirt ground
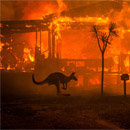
[66, 112]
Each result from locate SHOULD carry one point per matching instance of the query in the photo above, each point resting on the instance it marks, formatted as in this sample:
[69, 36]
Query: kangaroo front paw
[64, 88]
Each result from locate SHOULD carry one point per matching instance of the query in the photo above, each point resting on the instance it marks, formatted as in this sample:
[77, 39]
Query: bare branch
[96, 31]
[112, 31]
[111, 27]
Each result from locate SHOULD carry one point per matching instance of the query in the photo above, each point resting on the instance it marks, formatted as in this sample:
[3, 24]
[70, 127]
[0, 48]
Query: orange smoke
[36, 9]
[62, 6]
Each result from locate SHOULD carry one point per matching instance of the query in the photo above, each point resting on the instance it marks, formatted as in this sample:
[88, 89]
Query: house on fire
[76, 19]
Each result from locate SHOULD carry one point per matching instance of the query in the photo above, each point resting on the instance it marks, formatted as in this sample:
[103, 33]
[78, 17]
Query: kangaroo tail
[37, 83]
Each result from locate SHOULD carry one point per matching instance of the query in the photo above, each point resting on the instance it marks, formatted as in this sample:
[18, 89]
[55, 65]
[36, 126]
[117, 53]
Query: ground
[63, 112]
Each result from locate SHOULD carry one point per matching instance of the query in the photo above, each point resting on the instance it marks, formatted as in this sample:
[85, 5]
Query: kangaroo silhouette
[55, 79]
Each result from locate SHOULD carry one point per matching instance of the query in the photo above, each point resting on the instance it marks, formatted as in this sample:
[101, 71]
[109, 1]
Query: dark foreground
[42, 112]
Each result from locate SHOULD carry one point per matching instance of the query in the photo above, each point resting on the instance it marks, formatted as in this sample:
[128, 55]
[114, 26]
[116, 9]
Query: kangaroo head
[72, 76]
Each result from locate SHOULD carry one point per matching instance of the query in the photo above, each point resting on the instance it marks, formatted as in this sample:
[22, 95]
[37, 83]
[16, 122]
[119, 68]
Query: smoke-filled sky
[24, 9]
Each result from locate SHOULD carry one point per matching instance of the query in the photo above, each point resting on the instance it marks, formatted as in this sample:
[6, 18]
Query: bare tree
[103, 39]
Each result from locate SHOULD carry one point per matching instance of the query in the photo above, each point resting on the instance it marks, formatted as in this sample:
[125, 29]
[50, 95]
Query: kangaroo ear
[73, 73]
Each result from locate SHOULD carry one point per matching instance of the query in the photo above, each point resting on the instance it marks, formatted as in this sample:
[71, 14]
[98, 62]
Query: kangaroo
[55, 79]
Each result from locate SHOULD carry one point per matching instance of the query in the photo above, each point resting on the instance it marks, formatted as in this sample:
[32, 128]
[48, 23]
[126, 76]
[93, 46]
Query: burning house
[62, 41]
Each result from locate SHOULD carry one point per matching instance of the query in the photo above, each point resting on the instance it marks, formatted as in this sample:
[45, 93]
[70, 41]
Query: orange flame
[94, 81]
[126, 62]
[27, 55]
[10, 68]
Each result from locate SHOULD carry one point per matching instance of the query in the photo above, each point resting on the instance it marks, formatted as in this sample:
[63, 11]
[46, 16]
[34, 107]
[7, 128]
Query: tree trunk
[124, 88]
[102, 76]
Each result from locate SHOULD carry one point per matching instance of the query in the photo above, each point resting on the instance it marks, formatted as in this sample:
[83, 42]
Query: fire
[1, 46]
[95, 20]
[27, 55]
[10, 68]
[78, 44]
[63, 68]
[126, 62]
[116, 60]
[94, 81]
[61, 23]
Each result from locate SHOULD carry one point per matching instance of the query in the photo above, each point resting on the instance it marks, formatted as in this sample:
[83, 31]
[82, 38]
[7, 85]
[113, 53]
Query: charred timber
[38, 25]
[23, 26]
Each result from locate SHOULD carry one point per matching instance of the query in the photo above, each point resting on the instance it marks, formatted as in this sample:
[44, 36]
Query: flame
[1, 46]
[64, 23]
[94, 81]
[127, 62]
[116, 59]
[27, 55]
[63, 68]
[10, 68]
[95, 20]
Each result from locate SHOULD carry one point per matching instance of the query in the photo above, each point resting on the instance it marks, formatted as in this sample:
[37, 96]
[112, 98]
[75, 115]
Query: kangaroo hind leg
[58, 88]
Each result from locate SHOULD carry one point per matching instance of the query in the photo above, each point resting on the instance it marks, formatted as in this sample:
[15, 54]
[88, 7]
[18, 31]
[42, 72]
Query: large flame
[27, 55]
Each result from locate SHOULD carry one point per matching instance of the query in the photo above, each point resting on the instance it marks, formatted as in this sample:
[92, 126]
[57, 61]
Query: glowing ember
[63, 68]
[10, 68]
[1, 46]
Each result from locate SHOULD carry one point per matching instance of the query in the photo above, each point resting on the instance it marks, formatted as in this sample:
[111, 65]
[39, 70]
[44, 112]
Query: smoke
[122, 20]
[26, 10]
[81, 45]
[16, 10]
[126, 42]
[7, 10]
[62, 6]
[36, 9]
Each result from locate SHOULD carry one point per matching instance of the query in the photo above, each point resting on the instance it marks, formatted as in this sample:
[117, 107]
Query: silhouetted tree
[103, 39]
